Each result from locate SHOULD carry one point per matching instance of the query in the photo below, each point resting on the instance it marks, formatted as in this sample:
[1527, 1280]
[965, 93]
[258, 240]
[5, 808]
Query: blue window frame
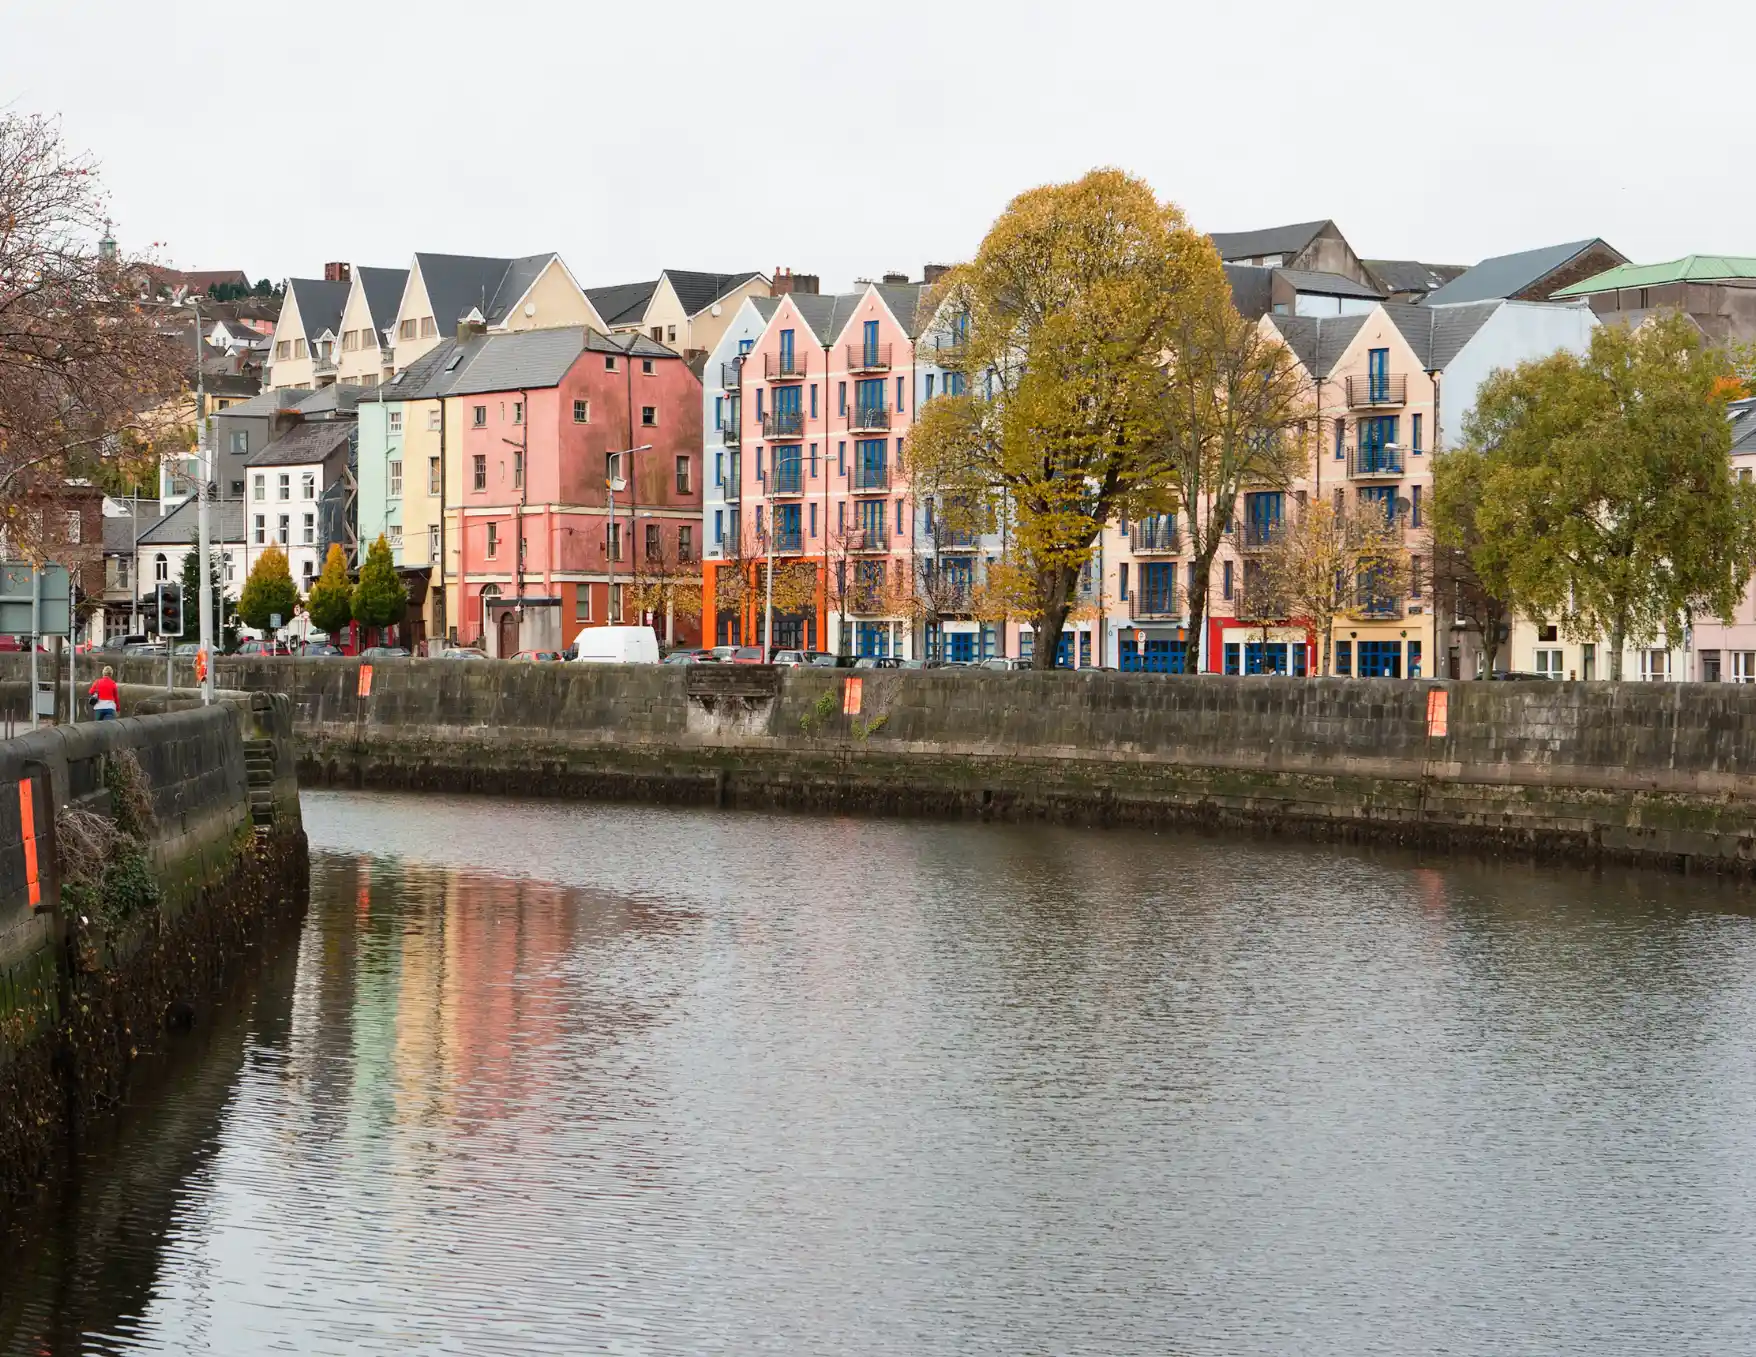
[813, 518]
[759, 475]
[869, 465]
[872, 638]
[788, 463]
[786, 350]
[813, 461]
[960, 646]
[899, 404]
[1231, 666]
[869, 342]
[869, 394]
[1263, 510]
[719, 525]
[1226, 579]
[758, 405]
[1380, 659]
[1344, 658]
[1157, 595]
[1414, 659]
[1379, 497]
[841, 458]
[899, 518]
[1414, 434]
[1378, 373]
[1161, 657]
[954, 385]
[719, 468]
[899, 457]
[786, 401]
[1122, 581]
[813, 400]
[719, 416]
[1414, 506]
[870, 519]
[841, 515]
[1340, 437]
[841, 398]
[745, 345]
[929, 386]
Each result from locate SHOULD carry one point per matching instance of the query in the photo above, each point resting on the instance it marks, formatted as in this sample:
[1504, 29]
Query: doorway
[508, 635]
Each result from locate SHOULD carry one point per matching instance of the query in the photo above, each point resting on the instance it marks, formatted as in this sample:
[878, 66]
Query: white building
[722, 519]
[286, 482]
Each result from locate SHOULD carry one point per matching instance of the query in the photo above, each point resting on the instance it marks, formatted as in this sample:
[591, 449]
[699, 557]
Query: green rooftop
[1692, 268]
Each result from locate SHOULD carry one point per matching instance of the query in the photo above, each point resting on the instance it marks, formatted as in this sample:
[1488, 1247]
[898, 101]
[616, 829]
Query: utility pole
[613, 482]
[202, 531]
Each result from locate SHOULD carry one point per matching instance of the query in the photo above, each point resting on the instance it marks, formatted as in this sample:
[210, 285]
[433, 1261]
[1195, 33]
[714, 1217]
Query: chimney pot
[932, 273]
[891, 278]
[338, 271]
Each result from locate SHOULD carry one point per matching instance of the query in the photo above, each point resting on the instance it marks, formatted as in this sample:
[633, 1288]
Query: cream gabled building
[362, 355]
[303, 355]
[443, 291]
[682, 309]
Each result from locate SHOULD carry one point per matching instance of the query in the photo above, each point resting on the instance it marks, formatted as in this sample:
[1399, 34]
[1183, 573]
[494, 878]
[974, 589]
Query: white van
[617, 645]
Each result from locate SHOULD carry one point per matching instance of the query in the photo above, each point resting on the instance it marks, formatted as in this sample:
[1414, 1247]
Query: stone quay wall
[85, 987]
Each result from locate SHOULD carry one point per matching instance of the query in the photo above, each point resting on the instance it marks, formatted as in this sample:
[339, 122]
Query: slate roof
[622, 303]
[904, 301]
[1287, 240]
[1691, 268]
[1328, 284]
[1437, 334]
[119, 530]
[1309, 336]
[320, 304]
[270, 403]
[1506, 274]
[417, 380]
[334, 399]
[383, 288]
[1743, 416]
[182, 527]
[305, 445]
[1410, 275]
[698, 291]
[459, 283]
[1252, 289]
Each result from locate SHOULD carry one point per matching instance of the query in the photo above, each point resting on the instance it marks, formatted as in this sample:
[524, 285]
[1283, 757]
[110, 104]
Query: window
[434, 419]
[518, 412]
[1226, 578]
[518, 470]
[479, 416]
[283, 349]
[285, 487]
[719, 526]
[161, 568]
[686, 543]
[1122, 581]
[841, 515]
[1414, 512]
[813, 518]
[655, 548]
[682, 475]
[1655, 665]
[617, 610]
[1548, 631]
[1340, 435]
[759, 475]
[432, 475]
[122, 571]
[1744, 666]
[1588, 662]
[261, 530]
[308, 531]
[396, 421]
[1414, 576]
[428, 328]
[369, 379]
[393, 536]
[582, 412]
[240, 442]
[284, 530]
[646, 367]
[582, 604]
[395, 480]
[899, 388]
[237, 488]
[479, 466]
[406, 330]
[671, 334]
[841, 459]
[493, 540]
[929, 395]
[609, 363]
[259, 488]
[1549, 662]
[613, 540]
[1344, 658]
[298, 348]
[308, 485]
[813, 400]
[841, 398]
[899, 518]
[1414, 424]
[432, 542]
[649, 415]
[759, 405]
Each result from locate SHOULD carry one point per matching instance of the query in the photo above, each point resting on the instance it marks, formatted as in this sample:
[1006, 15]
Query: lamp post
[613, 483]
[203, 532]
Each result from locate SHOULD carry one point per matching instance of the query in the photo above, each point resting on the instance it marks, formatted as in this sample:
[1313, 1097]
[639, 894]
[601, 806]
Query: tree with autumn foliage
[87, 381]
[331, 600]
[269, 592]
[1607, 498]
[1325, 562]
[1065, 318]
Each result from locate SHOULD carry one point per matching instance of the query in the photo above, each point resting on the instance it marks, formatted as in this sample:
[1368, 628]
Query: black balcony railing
[949, 351]
[871, 475]
[869, 419]
[731, 374]
[958, 539]
[1386, 388]
[786, 478]
[1150, 535]
[783, 424]
[784, 367]
[1259, 536]
[1156, 603]
[730, 434]
[1374, 460]
[868, 357]
[868, 539]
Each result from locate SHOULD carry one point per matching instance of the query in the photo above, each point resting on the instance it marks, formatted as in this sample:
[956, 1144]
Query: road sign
[18, 583]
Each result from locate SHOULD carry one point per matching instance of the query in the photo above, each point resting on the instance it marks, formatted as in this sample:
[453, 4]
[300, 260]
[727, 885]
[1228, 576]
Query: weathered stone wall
[1665, 772]
[80, 996]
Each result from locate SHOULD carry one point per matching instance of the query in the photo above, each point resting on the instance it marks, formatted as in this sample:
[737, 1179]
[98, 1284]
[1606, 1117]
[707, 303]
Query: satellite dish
[716, 309]
[530, 308]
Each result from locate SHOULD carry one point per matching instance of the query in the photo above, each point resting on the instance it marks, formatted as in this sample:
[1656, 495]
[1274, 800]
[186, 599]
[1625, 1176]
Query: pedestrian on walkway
[105, 700]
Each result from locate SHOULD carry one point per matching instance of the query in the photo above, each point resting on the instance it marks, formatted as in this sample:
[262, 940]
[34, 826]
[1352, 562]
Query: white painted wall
[1516, 333]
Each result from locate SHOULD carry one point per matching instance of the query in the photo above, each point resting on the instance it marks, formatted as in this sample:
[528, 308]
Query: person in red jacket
[105, 701]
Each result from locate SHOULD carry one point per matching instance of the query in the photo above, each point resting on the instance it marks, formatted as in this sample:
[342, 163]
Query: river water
[543, 1078]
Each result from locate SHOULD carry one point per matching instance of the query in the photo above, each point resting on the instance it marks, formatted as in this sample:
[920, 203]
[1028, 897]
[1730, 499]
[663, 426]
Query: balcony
[730, 434]
[1155, 603]
[784, 367]
[1369, 392]
[958, 539]
[872, 476]
[1369, 605]
[731, 374]
[783, 424]
[869, 419]
[949, 352]
[1261, 536]
[868, 539]
[1153, 537]
[1258, 605]
[786, 478]
[868, 357]
[1383, 462]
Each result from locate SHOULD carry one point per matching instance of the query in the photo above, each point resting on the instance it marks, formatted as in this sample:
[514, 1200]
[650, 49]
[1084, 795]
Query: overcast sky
[848, 139]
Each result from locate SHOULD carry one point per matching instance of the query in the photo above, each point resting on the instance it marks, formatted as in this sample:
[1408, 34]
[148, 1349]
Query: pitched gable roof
[1743, 417]
[181, 527]
[458, 284]
[1269, 240]
[1318, 341]
[1410, 275]
[1691, 268]
[622, 303]
[904, 301]
[320, 304]
[305, 445]
[269, 403]
[1252, 289]
[1328, 284]
[383, 289]
[1437, 333]
[1506, 275]
[698, 291]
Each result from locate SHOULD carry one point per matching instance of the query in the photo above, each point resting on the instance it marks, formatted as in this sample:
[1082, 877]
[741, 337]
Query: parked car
[263, 648]
[455, 653]
[821, 659]
[11, 644]
[384, 653]
[319, 648]
[745, 655]
[723, 654]
[1005, 663]
[691, 657]
[877, 662]
[186, 650]
[1522, 676]
[790, 659]
[617, 645]
[538, 656]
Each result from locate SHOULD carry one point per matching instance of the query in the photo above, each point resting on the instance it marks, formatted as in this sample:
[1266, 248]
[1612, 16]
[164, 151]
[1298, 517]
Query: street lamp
[613, 483]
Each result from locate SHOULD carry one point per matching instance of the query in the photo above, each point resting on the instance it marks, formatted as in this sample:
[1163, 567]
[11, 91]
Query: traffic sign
[18, 585]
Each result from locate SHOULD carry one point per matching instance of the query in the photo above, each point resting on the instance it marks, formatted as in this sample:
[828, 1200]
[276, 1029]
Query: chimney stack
[932, 273]
[469, 329]
[785, 281]
[894, 278]
[337, 272]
